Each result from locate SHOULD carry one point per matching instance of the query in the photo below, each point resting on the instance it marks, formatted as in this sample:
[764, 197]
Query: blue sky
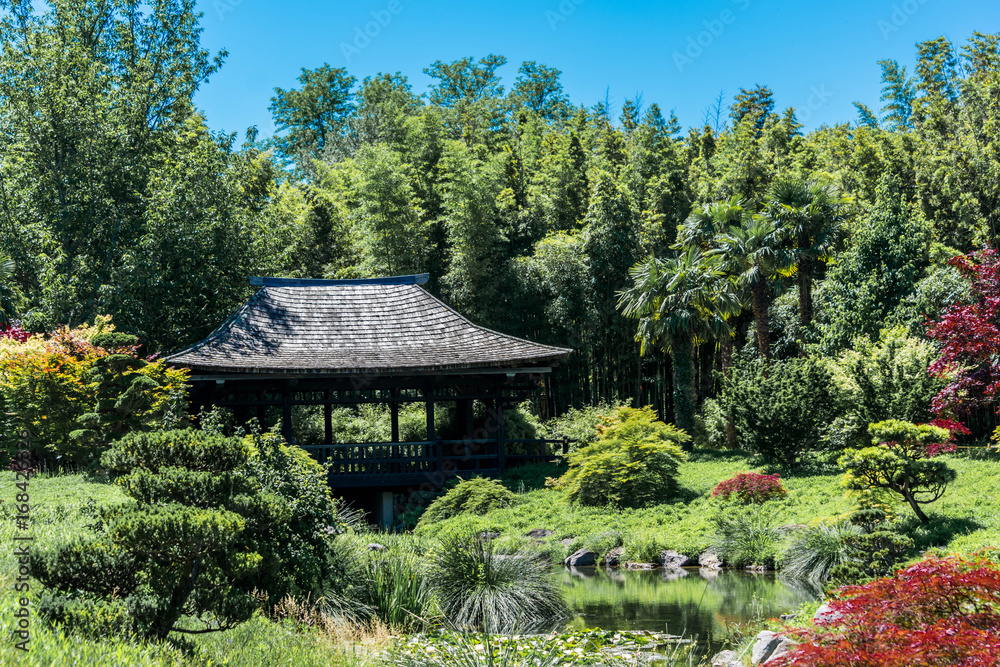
[817, 56]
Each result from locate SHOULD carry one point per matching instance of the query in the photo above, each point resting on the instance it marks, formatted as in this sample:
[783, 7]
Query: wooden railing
[428, 461]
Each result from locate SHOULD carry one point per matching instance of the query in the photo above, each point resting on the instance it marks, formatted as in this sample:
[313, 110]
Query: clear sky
[817, 56]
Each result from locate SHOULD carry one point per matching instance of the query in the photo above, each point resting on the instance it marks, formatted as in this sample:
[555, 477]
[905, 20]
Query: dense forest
[661, 255]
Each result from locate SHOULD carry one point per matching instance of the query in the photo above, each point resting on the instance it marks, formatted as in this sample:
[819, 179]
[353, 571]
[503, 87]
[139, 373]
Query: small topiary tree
[214, 519]
[633, 463]
[750, 487]
[470, 496]
[900, 462]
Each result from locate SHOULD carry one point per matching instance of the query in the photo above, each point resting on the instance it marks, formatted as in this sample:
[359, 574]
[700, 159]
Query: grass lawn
[966, 518]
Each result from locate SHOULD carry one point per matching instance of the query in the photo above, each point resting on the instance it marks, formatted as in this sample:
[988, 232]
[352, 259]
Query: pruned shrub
[940, 611]
[750, 487]
[214, 521]
[900, 461]
[471, 496]
[633, 463]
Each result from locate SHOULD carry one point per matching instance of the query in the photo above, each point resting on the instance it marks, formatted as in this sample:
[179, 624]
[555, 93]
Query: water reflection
[691, 602]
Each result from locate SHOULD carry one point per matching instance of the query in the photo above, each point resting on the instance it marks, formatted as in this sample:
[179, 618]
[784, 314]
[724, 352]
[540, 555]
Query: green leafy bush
[780, 409]
[580, 424]
[471, 496]
[481, 586]
[710, 425]
[886, 379]
[214, 519]
[634, 461]
[75, 396]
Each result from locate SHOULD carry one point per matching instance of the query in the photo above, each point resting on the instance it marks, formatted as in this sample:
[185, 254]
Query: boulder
[566, 542]
[539, 533]
[614, 557]
[375, 546]
[768, 646]
[825, 614]
[671, 558]
[710, 559]
[581, 558]
[727, 659]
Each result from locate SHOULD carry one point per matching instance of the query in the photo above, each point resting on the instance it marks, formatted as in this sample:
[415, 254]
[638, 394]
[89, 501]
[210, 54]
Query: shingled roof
[348, 327]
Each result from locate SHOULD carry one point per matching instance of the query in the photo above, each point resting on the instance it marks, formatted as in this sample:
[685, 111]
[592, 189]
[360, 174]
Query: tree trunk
[685, 400]
[727, 361]
[762, 320]
[804, 278]
[916, 508]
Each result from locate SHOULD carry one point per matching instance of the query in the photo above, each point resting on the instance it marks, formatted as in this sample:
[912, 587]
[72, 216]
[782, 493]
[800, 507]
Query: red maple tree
[940, 611]
[970, 338]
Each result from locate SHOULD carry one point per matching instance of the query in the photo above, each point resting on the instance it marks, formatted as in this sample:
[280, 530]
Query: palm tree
[678, 302]
[755, 254]
[707, 221]
[813, 216]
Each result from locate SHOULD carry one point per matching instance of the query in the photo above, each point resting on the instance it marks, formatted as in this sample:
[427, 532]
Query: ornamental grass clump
[750, 487]
[747, 536]
[480, 586]
[816, 550]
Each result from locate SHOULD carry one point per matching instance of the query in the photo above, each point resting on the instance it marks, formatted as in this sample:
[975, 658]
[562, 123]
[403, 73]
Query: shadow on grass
[939, 532]
[699, 454]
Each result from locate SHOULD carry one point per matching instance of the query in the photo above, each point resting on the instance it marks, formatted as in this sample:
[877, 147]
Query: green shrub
[747, 536]
[580, 424]
[780, 409]
[633, 463]
[710, 426]
[471, 496]
[214, 519]
[480, 586]
[876, 381]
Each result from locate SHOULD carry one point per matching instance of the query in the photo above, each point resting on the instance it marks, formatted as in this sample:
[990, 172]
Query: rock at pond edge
[581, 558]
[671, 558]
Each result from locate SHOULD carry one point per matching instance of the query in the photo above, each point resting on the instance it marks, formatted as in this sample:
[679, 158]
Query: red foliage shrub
[970, 338]
[941, 611]
[14, 332]
[751, 487]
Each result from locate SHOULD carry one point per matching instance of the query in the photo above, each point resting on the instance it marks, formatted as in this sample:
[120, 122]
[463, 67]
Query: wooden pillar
[394, 415]
[262, 409]
[327, 417]
[286, 412]
[501, 444]
[429, 398]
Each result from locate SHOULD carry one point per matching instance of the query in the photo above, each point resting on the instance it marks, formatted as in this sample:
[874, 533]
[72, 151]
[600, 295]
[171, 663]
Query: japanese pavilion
[324, 344]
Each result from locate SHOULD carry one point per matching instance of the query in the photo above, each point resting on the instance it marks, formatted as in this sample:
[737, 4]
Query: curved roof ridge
[356, 328]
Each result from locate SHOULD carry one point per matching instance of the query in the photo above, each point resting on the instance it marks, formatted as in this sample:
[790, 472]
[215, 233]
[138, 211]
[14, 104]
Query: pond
[691, 602]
